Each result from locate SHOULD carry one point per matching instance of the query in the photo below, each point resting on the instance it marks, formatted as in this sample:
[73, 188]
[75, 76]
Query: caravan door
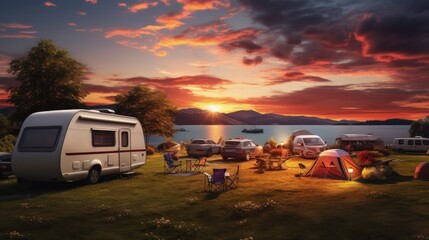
[124, 150]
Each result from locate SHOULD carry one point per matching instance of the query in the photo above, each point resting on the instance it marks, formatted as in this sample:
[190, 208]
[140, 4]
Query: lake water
[281, 132]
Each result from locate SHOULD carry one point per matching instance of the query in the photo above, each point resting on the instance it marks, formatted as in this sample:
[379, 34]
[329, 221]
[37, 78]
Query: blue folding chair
[170, 166]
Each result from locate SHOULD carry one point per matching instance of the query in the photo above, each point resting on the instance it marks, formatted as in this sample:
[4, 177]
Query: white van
[71, 145]
[308, 146]
[413, 144]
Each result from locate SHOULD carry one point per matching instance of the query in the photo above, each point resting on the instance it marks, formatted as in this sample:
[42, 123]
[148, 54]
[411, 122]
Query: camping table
[189, 162]
[274, 163]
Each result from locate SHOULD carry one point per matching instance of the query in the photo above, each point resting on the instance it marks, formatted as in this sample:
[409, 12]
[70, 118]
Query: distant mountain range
[195, 116]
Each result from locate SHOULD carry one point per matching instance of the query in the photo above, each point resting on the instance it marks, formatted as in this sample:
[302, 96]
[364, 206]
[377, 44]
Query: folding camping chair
[216, 181]
[170, 166]
[234, 180]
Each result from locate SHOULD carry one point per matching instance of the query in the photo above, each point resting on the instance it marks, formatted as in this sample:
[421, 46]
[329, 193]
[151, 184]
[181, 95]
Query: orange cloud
[141, 6]
[89, 30]
[207, 35]
[129, 33]
[172, 20]
[198, 5]
[91, 1]
[166, 2]
[50, 4]
[15, 25]
[132, 44]
[82, 13]
[11, 30]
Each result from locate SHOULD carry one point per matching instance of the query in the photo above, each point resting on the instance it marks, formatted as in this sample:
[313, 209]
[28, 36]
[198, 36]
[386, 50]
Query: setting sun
[213, 108]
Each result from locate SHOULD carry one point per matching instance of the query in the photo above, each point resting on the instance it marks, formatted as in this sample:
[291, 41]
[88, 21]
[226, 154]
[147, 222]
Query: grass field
[272, 205]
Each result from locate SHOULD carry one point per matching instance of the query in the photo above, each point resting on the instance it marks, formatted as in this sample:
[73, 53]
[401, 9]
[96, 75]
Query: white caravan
[411, 144]
[358, 142]
[71, 145]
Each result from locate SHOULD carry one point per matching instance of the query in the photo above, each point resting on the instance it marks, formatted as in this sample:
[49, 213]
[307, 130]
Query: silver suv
[240, 148]
[202, 147]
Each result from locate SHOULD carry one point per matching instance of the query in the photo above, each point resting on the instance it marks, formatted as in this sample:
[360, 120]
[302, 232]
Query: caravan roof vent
[106, 110]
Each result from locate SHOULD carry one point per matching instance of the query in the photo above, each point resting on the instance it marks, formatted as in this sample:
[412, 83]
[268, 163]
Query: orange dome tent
[334, 164]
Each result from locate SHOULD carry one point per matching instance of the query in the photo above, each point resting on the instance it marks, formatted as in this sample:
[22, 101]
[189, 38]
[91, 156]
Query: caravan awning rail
[103, 119]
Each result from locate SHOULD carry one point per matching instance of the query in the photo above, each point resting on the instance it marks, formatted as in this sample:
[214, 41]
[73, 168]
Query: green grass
[272, 205]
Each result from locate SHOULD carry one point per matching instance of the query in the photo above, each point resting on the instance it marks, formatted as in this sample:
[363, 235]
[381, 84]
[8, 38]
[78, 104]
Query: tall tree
[7, 141]
[4, 126]
[420, 127]
[154, 111]
[49, 79]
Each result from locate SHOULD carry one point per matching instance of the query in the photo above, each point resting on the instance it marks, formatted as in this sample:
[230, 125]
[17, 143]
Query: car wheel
[247, 157]
[209, 153]
[93, 175]
[301, 154]
[225, 158]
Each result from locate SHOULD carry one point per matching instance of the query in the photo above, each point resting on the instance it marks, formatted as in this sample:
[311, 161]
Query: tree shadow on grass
[27, 189]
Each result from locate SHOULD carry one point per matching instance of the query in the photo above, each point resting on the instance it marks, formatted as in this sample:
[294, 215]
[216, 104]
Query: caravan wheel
[93, 175]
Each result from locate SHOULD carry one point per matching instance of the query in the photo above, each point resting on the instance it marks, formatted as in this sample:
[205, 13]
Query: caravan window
[39, 139]
[411, 142]
[401, 142]
[426, 142]
[103, 138]
[124, 139]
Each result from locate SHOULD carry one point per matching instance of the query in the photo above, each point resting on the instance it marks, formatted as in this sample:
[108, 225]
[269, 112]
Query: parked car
[308, 146]
[240, 148]
[5, 164]
[202, 147]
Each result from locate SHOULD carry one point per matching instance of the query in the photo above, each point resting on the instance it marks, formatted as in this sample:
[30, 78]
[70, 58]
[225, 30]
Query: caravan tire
[93, 175]
[21, 181]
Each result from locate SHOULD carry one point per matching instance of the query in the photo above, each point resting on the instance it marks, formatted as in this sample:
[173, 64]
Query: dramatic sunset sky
[338, 59]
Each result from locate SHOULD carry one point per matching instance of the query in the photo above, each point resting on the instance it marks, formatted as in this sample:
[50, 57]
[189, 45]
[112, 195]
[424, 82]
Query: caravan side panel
[94, 141]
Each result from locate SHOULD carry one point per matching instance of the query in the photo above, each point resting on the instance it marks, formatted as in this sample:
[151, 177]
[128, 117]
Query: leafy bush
[368, 157]
[7, 143]
[150, 150]
[272, 143]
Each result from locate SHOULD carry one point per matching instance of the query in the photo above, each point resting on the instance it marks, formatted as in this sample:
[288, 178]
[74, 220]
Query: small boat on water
[253, 130]
[180, 130]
